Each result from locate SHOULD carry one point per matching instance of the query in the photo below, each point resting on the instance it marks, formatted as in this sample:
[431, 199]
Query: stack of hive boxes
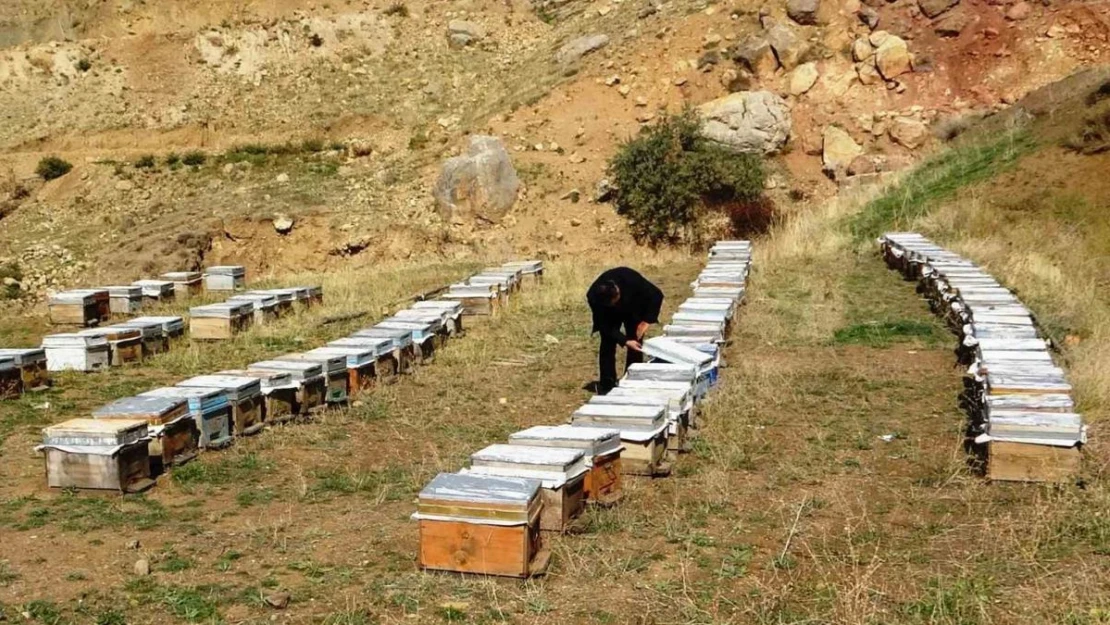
[489, 517]
[1021, 410]
[210, 411]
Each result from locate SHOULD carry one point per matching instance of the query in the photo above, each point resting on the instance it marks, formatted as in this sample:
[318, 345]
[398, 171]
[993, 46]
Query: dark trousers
[607, 358]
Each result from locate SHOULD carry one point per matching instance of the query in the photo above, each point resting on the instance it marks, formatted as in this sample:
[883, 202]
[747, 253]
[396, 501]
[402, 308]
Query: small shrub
[84, 65]
[749, 217]
[145, 162]
[10, 270]
[196, 158]
[173, 160]
[51, 167]
[670, 174]
[312, 145]
[397, 8]
[418, 141]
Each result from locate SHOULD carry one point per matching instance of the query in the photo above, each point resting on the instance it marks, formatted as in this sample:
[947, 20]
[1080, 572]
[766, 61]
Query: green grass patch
[962, 601]
[885, 333]
[223, 470]
[81, 513]
[937, 180]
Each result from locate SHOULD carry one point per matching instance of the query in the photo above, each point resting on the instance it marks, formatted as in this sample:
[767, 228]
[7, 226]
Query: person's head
[606, 293]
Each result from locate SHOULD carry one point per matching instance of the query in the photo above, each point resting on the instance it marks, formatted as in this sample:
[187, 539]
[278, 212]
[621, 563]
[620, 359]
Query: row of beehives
[130, 440]
[1021, 411]
[134, 340]
[489, 517]
[91, 307]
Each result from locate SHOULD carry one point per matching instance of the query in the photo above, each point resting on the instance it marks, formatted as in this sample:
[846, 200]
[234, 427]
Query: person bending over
[621, 297]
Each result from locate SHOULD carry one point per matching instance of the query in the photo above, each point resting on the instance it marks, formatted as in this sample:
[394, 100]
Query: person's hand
[634, 346]
[641, 330]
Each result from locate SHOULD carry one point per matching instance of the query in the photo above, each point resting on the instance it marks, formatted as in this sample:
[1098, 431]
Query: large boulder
[803, 11]
[909, 132]
[933, 8]
[892, 58]
[481, 184]
[575, 49]
[838, 150]
[749, 121]
[788, 46]
[461, 33]
[754, 53]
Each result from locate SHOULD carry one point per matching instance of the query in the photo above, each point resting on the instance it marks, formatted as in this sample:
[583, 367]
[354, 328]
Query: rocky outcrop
[749, 121]
[838, 150]
[574, 50]
[461, 33]
[754, 53]
[482, 184]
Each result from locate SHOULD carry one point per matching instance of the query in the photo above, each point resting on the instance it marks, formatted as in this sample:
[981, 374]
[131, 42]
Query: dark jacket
[640, 301]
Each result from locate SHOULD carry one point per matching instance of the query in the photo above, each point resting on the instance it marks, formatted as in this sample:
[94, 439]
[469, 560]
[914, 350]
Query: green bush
[195, 158]
[145, 162]
[51, 167]
[670, 175]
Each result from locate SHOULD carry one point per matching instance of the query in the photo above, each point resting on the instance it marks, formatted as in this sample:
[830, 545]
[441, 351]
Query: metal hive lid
[481, 488]
[593, 441]
[71, 340]
[95, 432]
[141, 405]
[237, 384]
[227, 270]
[352, 356]
[330, 364]
[380, 345]
[23, 356]
[225, 310]
[182, 276]
[268, 379]
[301, 369]
[670, 350]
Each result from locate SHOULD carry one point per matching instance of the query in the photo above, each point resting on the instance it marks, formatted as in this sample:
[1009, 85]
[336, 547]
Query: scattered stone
[861, 165]
[124, 185]
[869, 16]
[838, 150]
[282, 178]
[749, 121]
[283, 223]
[481, 184]
[12, 282]
[862, 49]
[647, 11]
[803, 11]
[573, 195]
[604, 191]
[624, 90]
[803, 78]
[461, 33]
[681, 80]
[922, 63]
[908, 132]
[574, 50]
[550, 340]
[712, 40]
[575, 222]
[735, 81]
[612, 80]
[558, 237]
[645, 117]
[893, 57]
[1019, 11]
[754, 53]
[708, 60]
[933, 8]
[952, 24]
[788, 46]
[277, 600]
[877, 38]
[142, 567]
[641, 101]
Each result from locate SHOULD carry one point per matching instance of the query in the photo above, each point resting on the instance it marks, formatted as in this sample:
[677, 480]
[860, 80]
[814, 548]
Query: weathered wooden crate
[602, 448]
[451, 311]
[125, 345]
[643, 433]
[335, 374]
[244, 395]
[157, 291]
[307, 375]
[174, 327]
[81, 307]
[279, 393]
[186, 284]
[225, 278]
[11, 383]
[310, 296]
[125, 300]
[263, 305]
[31, 364]
[481, 524]
[76, 352]
[152, 334]
[210, 410]
[561, 471]
[425, 336]
[97, 454]
[360, 365]
[531, 271]
[477, 300]
[1024, 462]
[285, 299]
[174, 436]
[219, 322]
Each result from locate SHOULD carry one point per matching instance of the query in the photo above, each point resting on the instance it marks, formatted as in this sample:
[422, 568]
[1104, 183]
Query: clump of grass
[84, 65]
[52, 167]
[146, 161]
[173, 160]
[225, 470]
[884, 333]
[397, 9]
[937, 180]
[1094, 135]
[194, 158]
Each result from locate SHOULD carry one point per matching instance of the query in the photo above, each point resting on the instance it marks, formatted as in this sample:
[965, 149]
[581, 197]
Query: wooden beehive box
[602, 449]
[244, 394]
[284, 299]
[125, 344]
[186, 284]
[441, 320]
[481, 524]
[31, 363]
[263, 305]
[452, 312]
[478, 300]
[561, 471]
[11, 383]
[279, 393]
[174, 327]
[225, 278]
[643, 433]
[310, 296]
[667, 350]
[386, 364]
[403, 352]
[210, 410]
[97, 454]
[425, 336]
[125, 300]
[311, 385]
[75, 352]
[173, 431]
[360, 365]
[152, 335]
[678, 423]
[79, 307]
[219, 322]
[531, 271]
[334, 369]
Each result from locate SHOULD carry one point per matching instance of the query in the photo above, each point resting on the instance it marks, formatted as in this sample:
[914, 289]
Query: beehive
[244, 395]
[76, 352]
[602, 452]
[334, 368]
[386, 363]
[186, 284]
[97, 454]
[210, 410]
[360, 364]
[279, 393]
[157, 291]
[561, 471]
[32, 367]
[306, 375]
[125, 344]
[174, 438]
[79, 307]
[225, 278]
[217, 322]
[125, 300]
[643, 433]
